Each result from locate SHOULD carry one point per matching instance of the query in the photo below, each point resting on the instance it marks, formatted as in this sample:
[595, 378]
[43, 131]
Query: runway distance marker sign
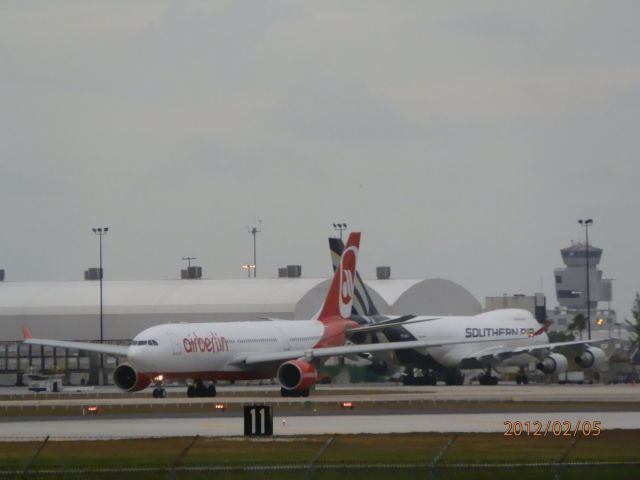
[258, 420]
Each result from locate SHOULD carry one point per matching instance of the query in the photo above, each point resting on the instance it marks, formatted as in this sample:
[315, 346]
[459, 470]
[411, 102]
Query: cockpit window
[144, 342]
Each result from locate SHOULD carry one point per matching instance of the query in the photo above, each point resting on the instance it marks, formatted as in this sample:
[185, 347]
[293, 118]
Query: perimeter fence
[327, 458]
[595, 470]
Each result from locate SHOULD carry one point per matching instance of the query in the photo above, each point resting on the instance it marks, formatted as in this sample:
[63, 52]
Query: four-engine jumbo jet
[286, 349]
[487, 340]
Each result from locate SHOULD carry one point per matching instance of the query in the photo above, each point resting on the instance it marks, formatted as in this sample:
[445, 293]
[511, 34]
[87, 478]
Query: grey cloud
[463, 139]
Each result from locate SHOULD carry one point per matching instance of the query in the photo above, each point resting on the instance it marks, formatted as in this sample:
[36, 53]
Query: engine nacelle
[553, 363]
[592, 357]
[128, 379]
[297, 375]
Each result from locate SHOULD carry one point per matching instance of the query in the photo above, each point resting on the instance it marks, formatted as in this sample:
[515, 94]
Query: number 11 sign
[258, 420]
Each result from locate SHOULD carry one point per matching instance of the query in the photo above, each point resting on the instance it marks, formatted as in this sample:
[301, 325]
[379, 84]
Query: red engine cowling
[297, 375]
[128, 379]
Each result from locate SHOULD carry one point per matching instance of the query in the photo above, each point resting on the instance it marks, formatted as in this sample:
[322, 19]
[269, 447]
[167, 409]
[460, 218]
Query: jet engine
[297, 375]
[553, 363]
[129, 380]
[592, 357]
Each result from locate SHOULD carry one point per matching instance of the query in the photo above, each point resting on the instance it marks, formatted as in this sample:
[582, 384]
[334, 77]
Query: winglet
[543, 329]
[26, 333]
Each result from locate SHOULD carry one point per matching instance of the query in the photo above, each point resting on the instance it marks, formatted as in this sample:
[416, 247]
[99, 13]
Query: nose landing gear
[159, 392]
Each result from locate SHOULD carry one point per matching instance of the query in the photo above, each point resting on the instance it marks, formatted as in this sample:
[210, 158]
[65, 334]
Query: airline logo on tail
[340, 297]
[347, 274]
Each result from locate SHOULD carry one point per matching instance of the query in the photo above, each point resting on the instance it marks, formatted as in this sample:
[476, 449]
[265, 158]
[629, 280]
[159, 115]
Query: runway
[378, 409]
[388, 393]
[105, 428]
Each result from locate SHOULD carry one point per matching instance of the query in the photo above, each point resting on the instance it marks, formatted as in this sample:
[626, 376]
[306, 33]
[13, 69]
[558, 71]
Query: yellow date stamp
[555, 428]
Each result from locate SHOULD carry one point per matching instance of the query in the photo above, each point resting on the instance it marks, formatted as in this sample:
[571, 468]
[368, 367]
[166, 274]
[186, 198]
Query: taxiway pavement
[91, 428]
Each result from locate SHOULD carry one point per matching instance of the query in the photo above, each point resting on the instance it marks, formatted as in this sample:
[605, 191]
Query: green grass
[337, 461]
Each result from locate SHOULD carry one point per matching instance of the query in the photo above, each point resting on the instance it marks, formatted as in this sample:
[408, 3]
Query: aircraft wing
[312, 353]
[117, 350]
[405, 320]
[501, 352]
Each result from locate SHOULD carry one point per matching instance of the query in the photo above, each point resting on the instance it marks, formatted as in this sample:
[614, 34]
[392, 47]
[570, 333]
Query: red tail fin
[544, 328]
[26, 333]
[340, 296]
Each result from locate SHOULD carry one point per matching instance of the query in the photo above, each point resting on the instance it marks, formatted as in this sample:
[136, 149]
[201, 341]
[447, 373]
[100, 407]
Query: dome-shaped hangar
[432, 296]
[70, 310]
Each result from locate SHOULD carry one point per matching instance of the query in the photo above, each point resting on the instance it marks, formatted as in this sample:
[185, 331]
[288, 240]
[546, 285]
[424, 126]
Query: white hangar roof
[134, 305]
[246, 295]
[70, 310]
[431, 296]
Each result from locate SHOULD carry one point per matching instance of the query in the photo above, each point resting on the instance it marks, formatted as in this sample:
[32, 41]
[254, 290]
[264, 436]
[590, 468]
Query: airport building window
[558, 278]
[568, 294]
[582, 253]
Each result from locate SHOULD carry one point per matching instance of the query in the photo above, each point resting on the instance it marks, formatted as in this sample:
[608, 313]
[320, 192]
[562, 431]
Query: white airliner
[289, 350]
[487, 340]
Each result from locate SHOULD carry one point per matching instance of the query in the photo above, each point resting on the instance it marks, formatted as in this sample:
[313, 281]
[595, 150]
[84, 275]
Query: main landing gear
[487, 379]
[201, 390]
[285, 392]
[521, 377]
[454, 377]
[429, 377]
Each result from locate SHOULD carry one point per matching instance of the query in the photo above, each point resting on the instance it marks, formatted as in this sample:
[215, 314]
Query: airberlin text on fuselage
[209, 343]
[496, 332]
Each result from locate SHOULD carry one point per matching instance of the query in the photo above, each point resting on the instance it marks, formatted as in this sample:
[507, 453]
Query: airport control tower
[571, 282]
[571, 290]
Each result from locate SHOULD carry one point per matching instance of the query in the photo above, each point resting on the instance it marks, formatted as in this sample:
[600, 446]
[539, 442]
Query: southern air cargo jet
[487, 340]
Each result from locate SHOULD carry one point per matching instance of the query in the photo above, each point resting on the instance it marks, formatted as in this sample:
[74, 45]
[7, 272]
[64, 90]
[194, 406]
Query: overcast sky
[464, 139]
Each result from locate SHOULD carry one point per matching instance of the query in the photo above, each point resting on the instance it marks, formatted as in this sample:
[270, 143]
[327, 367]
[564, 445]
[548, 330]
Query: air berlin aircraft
[289, 350]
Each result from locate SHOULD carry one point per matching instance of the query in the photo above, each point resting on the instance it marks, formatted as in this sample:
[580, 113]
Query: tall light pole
[248, 267]
[586, 224]
[188, 259]
[341, 227]
[101, 232]
[255, 231]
